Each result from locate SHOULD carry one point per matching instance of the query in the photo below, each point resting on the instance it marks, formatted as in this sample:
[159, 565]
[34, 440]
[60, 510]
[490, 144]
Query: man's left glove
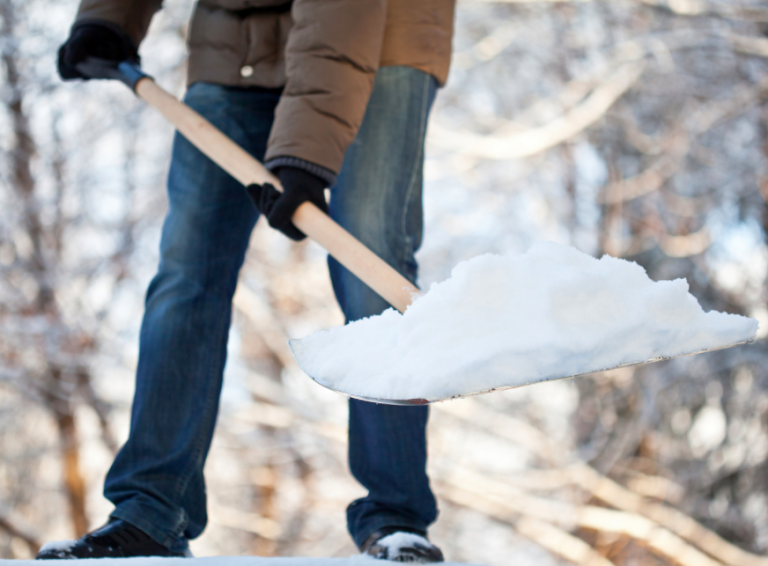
[94, 40]
[299, 186]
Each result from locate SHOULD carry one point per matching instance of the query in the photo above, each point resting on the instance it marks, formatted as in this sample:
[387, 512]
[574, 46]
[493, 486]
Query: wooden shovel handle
[370, 268]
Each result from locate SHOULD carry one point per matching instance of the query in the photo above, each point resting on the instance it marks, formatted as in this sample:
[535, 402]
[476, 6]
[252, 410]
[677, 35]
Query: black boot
[116, 539]
[401, 545]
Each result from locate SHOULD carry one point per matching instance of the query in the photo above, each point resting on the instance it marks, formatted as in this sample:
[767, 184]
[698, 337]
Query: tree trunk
[23, 183]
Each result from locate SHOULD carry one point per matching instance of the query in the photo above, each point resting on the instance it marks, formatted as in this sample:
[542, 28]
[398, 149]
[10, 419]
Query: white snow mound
[506, 321]
[58, 546]
[399, 540]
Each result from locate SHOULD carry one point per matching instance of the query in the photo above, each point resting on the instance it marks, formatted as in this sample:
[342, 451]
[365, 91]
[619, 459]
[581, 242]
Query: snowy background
[635, 128]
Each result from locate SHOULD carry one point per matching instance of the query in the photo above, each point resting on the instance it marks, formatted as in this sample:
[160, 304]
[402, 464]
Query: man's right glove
[298, 186]
[94, 40]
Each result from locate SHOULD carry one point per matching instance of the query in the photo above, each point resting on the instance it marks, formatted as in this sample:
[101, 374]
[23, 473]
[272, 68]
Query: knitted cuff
[287, 161]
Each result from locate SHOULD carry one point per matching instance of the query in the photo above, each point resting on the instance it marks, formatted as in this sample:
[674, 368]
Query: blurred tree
[635, 128]
[67, 245]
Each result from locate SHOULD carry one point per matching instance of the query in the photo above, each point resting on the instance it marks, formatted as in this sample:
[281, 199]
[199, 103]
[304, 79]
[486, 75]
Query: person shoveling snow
[497, 323]
[230, 561]
[294, 83]
[507, 321]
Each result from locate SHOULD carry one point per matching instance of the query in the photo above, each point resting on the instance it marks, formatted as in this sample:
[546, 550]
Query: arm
[332, 57]
[132, 17]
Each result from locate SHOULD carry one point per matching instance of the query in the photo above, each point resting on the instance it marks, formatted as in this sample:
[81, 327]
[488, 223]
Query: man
[329, 93]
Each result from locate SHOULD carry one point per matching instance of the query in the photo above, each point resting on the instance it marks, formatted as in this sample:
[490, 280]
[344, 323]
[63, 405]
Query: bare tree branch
[537, 140]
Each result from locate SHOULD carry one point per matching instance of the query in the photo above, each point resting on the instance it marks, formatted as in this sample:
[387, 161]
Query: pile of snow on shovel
[505, 321]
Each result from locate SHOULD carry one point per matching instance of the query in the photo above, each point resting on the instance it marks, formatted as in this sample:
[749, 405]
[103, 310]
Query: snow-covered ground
[226, 561]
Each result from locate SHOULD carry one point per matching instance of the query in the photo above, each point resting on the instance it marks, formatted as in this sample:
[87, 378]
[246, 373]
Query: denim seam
[184, 478]
[199, 444]
[419, 156]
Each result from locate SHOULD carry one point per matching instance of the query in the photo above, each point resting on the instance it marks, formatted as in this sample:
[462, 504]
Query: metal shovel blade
[298, 350]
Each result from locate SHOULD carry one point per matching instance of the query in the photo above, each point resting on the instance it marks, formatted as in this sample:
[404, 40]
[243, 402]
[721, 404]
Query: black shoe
[116, 539]
[401, 545]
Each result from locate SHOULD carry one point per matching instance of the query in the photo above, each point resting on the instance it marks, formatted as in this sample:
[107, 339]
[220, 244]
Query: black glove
[298, 186]
[94, 40]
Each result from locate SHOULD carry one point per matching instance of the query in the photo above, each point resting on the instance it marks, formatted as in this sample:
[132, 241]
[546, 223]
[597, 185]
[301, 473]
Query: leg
[378, 199]
[156, 481]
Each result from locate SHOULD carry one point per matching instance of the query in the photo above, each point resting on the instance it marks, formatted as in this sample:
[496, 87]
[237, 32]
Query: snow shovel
[345, 248]
[339, 243]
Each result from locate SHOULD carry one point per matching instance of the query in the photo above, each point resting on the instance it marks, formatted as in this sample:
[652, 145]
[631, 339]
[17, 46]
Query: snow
[394, 542]
[358, 560]
[506, 321]
[57, 545]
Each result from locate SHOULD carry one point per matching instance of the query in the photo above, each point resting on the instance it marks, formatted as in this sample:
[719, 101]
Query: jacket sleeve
[332, 56]
[132, 17]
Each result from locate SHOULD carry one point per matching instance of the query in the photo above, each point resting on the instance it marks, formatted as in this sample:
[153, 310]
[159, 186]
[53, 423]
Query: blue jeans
[156, 482]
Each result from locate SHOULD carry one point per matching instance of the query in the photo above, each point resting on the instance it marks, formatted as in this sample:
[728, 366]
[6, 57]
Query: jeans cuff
[138, 518]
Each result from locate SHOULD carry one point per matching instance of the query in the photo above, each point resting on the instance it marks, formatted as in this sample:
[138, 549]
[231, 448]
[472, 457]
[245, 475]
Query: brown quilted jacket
[325, 53]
